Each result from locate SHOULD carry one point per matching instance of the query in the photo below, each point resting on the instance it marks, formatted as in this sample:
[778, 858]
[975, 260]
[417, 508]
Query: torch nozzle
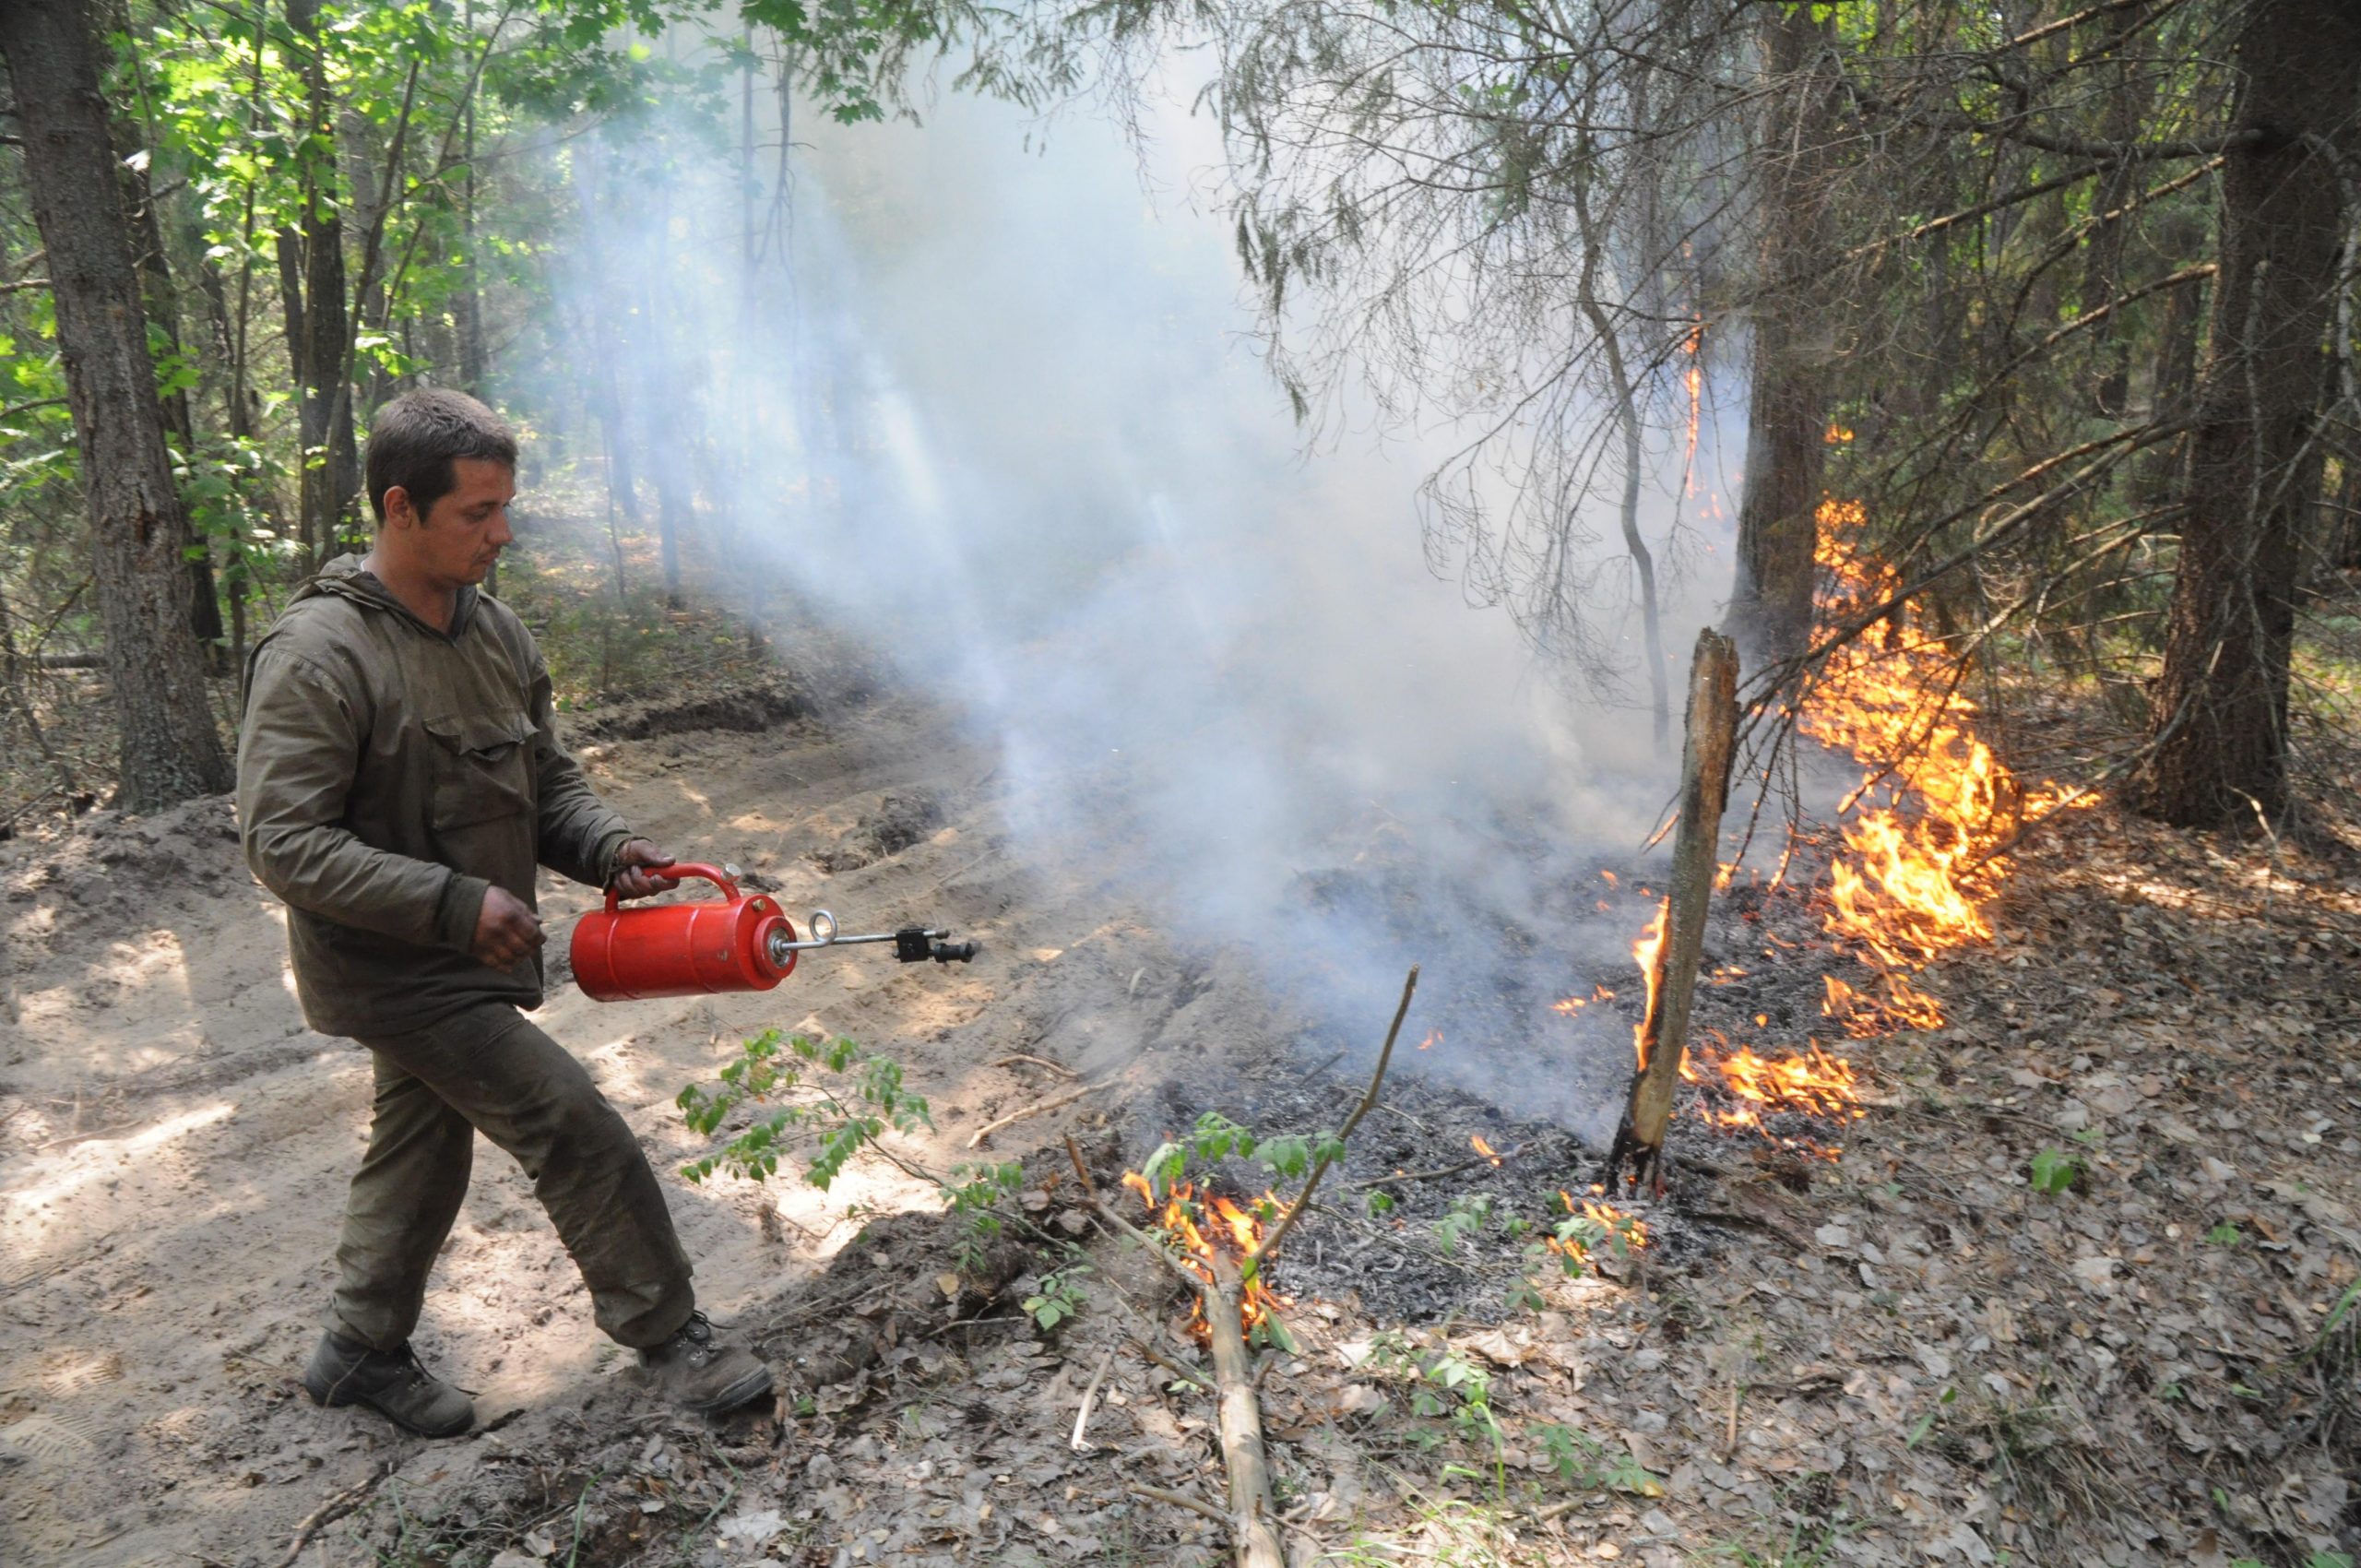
[912, 945]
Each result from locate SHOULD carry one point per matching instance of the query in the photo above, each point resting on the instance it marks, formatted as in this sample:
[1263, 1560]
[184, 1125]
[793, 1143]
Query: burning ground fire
[1235, 1231]
[1595, 1225]
[1911, 879]
[1916, 863]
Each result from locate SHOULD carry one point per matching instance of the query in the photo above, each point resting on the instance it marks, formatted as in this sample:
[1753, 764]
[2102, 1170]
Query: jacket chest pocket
[482, 767]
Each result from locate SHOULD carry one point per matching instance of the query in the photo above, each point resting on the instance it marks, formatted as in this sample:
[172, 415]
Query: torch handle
[714, 874]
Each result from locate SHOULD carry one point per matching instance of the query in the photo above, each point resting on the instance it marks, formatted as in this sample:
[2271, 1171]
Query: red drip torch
[737, 942]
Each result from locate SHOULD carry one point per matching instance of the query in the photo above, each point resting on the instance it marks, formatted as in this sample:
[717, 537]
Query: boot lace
[693, 1341]
[412, 1371]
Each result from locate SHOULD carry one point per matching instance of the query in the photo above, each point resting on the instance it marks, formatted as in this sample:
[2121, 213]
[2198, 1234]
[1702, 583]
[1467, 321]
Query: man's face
[464, 533]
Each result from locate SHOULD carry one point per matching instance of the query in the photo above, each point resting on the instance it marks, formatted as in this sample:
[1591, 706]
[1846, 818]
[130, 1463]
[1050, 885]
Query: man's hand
[639, 869]
[505, 930]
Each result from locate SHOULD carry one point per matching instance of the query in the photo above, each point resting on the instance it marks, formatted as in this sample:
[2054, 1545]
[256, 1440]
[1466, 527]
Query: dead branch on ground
[1052, 1103]
[1221, 1287]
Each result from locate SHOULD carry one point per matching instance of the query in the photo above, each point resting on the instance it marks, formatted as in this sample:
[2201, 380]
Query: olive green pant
[486, 1069]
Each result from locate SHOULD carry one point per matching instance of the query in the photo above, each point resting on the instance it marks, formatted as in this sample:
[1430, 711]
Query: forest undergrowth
[2079, 1285]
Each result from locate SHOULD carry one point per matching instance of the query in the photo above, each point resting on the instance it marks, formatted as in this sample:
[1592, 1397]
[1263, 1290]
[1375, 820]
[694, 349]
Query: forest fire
[1234, 1232]
[1594, 1224]
[1913, 870]
[1911, 887]
[1915, 866]
[1893, 1003]
[1572, 1004]
[1644, 953]
[1475, 1141]
[1814, 1084]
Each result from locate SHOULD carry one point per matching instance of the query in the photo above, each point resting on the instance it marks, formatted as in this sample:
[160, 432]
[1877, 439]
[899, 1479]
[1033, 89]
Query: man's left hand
[639, 870]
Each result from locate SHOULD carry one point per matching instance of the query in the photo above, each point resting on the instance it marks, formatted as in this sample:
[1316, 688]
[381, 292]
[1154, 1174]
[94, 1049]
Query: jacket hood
[345, 578]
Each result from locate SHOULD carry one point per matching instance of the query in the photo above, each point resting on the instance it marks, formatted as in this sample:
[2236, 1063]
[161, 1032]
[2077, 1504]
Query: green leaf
[2053, 1172]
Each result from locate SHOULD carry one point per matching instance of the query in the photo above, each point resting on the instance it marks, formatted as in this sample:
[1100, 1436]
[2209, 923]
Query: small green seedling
[2054, 1170]
[1059, 1298]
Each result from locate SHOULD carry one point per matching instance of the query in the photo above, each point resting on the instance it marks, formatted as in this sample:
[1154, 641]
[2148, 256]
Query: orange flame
[1907, 888]
[1236, 1233]
[1645, 952]
[1896, 1005]
[1572, 1004]
[1693, 378]
[1614, 1226]
[1475, 1141]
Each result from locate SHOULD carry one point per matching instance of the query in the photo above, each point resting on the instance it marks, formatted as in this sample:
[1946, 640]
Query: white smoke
[999, 411]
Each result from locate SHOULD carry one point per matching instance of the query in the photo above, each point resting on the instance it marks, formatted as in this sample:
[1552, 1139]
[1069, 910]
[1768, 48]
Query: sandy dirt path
[174, 1143]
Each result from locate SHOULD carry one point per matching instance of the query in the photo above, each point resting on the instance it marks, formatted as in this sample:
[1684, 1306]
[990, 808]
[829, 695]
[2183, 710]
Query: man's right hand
[505, 929]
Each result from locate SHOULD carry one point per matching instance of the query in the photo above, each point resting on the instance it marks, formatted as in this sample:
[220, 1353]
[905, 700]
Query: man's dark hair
[415, 438]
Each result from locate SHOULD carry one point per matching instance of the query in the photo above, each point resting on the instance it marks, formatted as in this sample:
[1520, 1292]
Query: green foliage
[853, 1096]
[1216, 1138]
[2055, 1170]
[1440, 1383]
[1926, 1423]
[1469, 1213]
[976, 1192]
[1059, 1298]
[2225, 1234]
[1806, 1545]
[1582, 1461]
[1576, 1237]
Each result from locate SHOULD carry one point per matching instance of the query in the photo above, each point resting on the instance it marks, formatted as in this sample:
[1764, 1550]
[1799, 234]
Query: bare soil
[1905, 1355]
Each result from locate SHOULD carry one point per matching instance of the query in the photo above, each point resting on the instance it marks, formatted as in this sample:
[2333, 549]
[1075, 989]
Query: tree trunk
[603, 389]
[466, 317]
[2219, 714]
[171, 750]
[1672, 979]
[1770, 613]
[163, 310]
[331, 461]
[668, 456]
[2157, 476]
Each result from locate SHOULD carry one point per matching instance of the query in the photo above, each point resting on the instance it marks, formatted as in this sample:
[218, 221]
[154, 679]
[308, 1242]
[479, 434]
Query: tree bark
[1672, 982]
[2219, 716]
[1239, 1419]
[331, 459]
[1770, 613]
[468, 310]
[162, 300]
[171, 750]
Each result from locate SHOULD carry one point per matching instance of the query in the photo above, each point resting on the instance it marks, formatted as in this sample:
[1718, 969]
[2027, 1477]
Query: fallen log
[1238, 1419]
[1221, 1287]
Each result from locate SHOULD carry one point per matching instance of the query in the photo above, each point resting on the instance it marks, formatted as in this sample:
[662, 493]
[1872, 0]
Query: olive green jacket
[387, 775]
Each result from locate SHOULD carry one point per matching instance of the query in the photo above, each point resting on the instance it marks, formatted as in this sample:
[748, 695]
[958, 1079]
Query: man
[399, 777]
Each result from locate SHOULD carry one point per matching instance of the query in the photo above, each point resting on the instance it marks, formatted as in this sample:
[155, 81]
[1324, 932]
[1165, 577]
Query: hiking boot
[696, 1368]
[391, 1383]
